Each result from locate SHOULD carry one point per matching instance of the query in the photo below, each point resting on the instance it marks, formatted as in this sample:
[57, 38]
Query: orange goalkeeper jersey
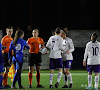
[6, 40]
[35, 44]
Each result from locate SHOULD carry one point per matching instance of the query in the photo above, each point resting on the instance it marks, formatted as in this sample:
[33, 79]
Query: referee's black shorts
[35, 58]
[5, 57]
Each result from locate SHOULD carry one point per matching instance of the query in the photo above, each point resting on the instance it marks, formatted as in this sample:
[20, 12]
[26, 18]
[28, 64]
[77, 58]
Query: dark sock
[38, 77]
[1, 79]
[65, 77]
[19, 80]
[15, 78]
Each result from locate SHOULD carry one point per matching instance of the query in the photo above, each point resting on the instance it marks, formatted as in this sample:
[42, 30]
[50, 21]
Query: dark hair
[95, 36]
[57, 30]
[66, 31]
[17, 36]
[9, 27]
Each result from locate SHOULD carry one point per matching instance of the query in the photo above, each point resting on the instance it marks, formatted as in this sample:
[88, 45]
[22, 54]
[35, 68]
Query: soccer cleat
[51, 86]
[30, 86]
[6, 86]
[13, 87]
[96, 89]
[56, 85]
[21, 87]
[89, 88]
[71, 84]
[2, 87]
[40, 86]
[65, 86]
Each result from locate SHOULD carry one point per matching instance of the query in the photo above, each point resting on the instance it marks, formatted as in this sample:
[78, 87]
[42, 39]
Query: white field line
[57, 74]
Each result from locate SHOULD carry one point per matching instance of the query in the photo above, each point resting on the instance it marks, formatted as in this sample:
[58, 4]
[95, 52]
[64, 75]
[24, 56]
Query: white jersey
[55, 45]
[92, 53]
[67, 45]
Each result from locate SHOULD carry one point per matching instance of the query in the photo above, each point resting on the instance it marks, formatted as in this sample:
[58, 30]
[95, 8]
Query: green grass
[79, 80]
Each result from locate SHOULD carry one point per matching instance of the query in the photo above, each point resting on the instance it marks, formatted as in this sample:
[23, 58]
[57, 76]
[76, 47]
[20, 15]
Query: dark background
[46, 15]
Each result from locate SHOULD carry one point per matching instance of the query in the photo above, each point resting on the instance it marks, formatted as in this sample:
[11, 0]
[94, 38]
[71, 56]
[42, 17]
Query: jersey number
[53, 43]
[95, 51]
[18, 47]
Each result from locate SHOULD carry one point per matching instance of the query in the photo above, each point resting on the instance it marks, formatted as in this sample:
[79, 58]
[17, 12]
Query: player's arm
[26, 46]
[48, 45]
[1, 57]
[85, 55]
[10, 52]
[71, 45]
[3, 44]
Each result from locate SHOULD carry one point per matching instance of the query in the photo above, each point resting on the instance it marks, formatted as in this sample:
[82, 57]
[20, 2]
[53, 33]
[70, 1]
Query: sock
[69, 78]
[96, 81]
[59, 76]
[30, 76]
[15, 78]
[38, 77]
[5, 77]
[89, 80]
[65, 79]
[19, 80]
[51, 78]
[1, 79]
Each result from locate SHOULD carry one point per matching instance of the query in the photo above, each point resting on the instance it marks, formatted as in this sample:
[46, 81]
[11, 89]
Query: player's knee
[1, 73]
[89, 73]
[52, 71]
[96, 74]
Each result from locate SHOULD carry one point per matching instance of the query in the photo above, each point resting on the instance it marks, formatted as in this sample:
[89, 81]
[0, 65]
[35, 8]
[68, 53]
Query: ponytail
[17, 36]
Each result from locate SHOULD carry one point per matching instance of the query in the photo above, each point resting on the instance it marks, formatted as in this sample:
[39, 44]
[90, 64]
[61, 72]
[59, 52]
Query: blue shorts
[67, 64]
[1, 67]
[95, 68]
[55, 63]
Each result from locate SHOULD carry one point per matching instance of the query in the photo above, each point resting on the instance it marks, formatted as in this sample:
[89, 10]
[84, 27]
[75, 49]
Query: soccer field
[79, 80]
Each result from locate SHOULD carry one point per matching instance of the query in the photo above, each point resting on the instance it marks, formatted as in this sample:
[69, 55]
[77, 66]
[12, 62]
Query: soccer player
[92, 55]
[55, 45]
[1, 67]
[35, 44]
[67, 57]
[17, 46]
[6, 40]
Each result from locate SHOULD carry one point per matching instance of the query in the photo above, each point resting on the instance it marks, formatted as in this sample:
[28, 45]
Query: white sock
[70, 78]
[59, 76]
[96, 81]
[66, 82]
[89, 80]
[51, 78]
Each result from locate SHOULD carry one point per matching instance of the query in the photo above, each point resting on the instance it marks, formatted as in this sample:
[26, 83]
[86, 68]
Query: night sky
[46, 15]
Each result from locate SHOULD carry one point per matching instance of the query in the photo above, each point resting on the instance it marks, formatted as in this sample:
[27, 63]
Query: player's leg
[96, 71]
[7, 67]
[30, 75]
[51, 78]
[89, 69]
[69, 76]
[38, 76]
[96, 81]
[52, 66]
[1, 75]
[31, 69]
[59, 65]
[1, 79]
[65, 75]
